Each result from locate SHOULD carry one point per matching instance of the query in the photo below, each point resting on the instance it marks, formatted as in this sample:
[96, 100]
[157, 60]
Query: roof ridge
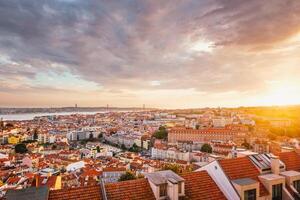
[103, 190]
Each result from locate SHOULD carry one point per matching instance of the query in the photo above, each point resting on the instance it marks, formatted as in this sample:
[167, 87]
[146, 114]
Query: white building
[77, 135]
[75, 166]
[221, 122]
[111, 175]
[170, 153]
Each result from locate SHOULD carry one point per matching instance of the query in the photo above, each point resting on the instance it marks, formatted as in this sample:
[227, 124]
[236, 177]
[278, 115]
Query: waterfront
[30, 116]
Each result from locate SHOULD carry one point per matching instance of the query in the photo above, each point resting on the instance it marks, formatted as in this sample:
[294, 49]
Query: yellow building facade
[13, 140]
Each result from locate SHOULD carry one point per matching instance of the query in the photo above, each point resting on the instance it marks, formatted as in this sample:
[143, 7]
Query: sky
[164, 54]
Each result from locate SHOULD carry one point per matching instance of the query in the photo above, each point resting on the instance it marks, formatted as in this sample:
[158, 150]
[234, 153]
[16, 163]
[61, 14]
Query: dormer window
[277, 192]
[250, 194]
[163, 190]
[296, 185]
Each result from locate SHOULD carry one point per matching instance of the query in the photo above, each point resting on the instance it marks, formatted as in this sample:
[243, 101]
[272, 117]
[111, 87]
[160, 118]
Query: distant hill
[63, 109]
[287, 112]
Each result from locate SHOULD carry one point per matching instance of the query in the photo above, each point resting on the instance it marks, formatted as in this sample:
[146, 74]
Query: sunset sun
[285, 94]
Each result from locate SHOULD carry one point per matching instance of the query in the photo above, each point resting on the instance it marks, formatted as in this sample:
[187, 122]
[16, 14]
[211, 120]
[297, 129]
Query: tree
[9, 125]
[272, 136]
[1, 124]
[161, 133]
[91, 136]
[98, 149]
[35, 134]
[129, 175]
[63, 170]
[54, 147]
[140, 176]
[206, 148]
[246, 144]
[100, 135]
[21, 148]
[83, 142]
[174, 167]
[123, 147]
[277, 131]
[134, 148]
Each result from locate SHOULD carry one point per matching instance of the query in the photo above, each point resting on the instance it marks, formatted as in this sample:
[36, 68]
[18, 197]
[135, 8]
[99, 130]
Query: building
[261, 146]
[221, 122]
[170, 154]
[13, 139]
[77, 135]
[112, 174]
[280, 123]
[260, 176]
[222, 148]
[166, 184]
[46, 138]
[205, 135]
[75, 166]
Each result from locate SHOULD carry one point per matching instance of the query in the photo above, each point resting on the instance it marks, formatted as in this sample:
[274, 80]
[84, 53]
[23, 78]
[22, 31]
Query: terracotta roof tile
[114, 169]
[237, 168]
[80, 193]
[91, 172]
[13, 180]
[291, 160]
[199, 185]
[130, 190]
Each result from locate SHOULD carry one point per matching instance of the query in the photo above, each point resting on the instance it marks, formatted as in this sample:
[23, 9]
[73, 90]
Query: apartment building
[170, 154]
[205, 135]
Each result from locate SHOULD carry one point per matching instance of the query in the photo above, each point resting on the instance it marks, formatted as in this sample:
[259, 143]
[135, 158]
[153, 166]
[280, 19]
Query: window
[277, 192]
[180, 187]
[163, 190]
[250, 194]
[297, 185]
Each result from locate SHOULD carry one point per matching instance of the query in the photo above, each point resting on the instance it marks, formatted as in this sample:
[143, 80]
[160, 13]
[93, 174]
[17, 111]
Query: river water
[30, 116]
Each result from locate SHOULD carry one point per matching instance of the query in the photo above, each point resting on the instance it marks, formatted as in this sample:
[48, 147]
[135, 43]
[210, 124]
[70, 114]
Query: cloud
[208, 46]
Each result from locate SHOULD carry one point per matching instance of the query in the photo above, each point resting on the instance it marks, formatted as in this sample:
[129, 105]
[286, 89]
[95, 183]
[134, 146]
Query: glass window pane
[163, 190]
[250, 194]
[277, 192]
[297, 185]
[179, 187]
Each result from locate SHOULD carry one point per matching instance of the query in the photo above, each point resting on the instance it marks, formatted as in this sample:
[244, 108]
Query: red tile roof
[13, 180]
[199, 185]
[291, 160]
[130, 190]
[114, 169]
[49, 181]
[80, 193]
[237, 168]
[91, 172]
[204, 131]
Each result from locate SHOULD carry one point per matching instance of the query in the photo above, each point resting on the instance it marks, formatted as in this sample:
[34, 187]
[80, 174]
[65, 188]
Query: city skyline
[183, 54]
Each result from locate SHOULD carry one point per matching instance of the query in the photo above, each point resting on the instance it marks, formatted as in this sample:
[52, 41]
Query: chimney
[275, 165]
[36, 180]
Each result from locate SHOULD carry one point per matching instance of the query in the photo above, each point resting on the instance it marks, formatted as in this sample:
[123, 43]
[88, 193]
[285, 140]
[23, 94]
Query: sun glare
[203, 46]
[282, 95]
